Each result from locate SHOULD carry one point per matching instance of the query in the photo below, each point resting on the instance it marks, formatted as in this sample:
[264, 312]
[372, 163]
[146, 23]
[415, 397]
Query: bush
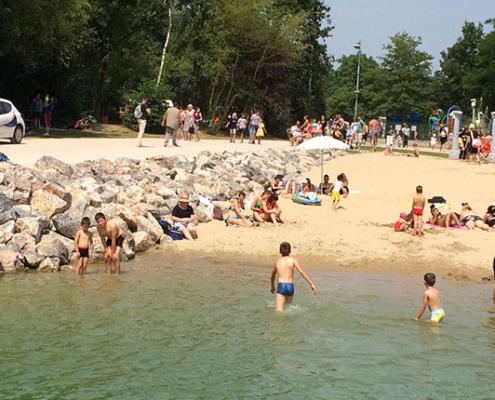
[156, 102]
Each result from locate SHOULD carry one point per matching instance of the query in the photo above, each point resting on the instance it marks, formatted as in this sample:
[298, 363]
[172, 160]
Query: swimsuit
[83, 252]
[470, 218]
[418, 211]
[437, 315]
[285, 289]
[398, 226]
[118, 241]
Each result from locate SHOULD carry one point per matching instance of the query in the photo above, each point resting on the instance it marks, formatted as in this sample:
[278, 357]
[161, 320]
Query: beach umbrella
[322, 143]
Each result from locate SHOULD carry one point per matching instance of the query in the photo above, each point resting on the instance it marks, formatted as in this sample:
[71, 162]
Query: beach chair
[292, 139]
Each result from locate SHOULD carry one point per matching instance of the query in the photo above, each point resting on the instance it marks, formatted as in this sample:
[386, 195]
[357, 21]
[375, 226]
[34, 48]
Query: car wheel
[17, 137]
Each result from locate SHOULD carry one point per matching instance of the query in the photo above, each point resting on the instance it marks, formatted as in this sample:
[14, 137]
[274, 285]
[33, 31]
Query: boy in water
[112, 239]
[418, 205]
[284, 267]
[432, 298]
[83, 243]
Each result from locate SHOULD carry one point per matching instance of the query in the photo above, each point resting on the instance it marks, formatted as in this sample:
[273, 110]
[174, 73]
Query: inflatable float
[309, 199]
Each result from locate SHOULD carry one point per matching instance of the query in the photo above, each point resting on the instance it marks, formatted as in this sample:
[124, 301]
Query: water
[194, 329]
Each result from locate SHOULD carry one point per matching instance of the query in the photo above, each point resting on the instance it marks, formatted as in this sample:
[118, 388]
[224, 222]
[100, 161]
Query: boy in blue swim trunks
[284, 268]
[432, 298]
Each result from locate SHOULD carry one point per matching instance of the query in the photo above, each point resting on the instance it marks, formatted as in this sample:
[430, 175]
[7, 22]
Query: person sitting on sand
[415, 151]
[388, 151]
[276, 186]
[402, 224]
[444, 220]
[325, 185]
[489, 217]
[236, 216]
[470, 219]
[256, 205]
[183, 218]
[271, 212]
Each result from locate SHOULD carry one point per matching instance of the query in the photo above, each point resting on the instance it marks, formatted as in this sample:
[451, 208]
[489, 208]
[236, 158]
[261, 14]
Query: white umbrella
[322, 143]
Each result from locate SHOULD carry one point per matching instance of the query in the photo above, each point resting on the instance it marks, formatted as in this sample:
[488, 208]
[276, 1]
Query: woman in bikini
[271, 212]
[444, 220]
[236, 216]
[256, 205]
[470, 219]
[489, 217]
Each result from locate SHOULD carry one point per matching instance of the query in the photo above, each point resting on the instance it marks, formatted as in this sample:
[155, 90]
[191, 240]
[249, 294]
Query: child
[335, 190]
[261, 131]
[84, 246]
[284, 267]
[402, 224]
[241, 126]
[418, 204]
[432, 298]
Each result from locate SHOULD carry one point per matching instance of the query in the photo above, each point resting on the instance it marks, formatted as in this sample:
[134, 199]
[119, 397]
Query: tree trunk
[170, 12]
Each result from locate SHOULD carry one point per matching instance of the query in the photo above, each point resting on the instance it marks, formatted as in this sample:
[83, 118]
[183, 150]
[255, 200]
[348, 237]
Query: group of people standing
[176, 121]
[473, 144]
[241, 126]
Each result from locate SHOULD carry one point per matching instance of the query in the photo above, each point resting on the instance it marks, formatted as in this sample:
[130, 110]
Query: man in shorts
[374, 127]
[112, 239]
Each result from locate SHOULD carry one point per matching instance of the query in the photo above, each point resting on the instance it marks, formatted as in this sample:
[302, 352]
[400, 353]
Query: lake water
[195, 329]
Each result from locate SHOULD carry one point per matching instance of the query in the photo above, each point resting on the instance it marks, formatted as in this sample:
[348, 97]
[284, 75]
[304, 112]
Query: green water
[192, 329]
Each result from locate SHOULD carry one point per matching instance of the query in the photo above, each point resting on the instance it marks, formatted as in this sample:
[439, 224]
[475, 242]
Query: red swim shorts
[418, 211]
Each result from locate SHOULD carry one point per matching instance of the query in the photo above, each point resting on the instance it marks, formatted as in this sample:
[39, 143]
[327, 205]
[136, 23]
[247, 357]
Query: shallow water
[194, 329]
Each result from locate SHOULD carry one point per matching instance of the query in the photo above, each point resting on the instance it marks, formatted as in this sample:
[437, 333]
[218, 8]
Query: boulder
[23, 210]
[23, 242]
[166, 239]
[149, 226]
[32, 259]
[49, 264]
[6, 231]
[5, 202]
[143, 241]
[78, 209]
[11, 261]
[48, 203]
[58, 191]
[203, 214]
[118, 210]
[66, 225]
[33, 226]
[136, 194]
[49, 162]
[7, 216]
[51, 246]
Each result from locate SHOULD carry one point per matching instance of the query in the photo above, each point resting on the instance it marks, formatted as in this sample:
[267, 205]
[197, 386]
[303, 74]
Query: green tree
[406, 85]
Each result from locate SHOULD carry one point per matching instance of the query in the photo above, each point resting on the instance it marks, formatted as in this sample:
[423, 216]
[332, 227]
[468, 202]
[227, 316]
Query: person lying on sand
[470, 219]
[444, 220]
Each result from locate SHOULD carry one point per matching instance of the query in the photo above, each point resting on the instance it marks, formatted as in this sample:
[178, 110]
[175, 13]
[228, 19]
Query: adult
[198, 117]
[143, 119]
[444, 134]
[359, 132]
[183, 218]
[189, 121]
[296, 133]
[444, 220]
[276, 186]
[305, 124]
[112, 239]
[406, 134]
[37, 109]
[271, 212]
[232, 126]
[374, 127]
[171, 121]
[181, 124]
[256, 205]
[390, 136]
[48, 106]
[462, 139]
[470, 219]
[473, 144]
[254, 125]
[325, 185]
[489, 217]
[236, 216]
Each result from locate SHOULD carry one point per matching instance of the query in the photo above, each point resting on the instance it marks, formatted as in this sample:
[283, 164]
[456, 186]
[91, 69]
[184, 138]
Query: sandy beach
[357, 237]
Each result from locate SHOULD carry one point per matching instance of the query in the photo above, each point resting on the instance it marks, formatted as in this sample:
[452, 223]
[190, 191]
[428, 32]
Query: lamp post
[357, 46]
[473, 106]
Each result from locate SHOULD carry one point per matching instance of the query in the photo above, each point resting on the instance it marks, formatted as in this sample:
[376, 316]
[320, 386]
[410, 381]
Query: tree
[406, 86]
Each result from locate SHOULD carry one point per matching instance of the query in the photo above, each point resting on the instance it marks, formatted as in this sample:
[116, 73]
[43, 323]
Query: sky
[438, 23]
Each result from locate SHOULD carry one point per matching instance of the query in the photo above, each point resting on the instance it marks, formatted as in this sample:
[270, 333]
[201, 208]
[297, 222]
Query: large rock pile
[41, 207]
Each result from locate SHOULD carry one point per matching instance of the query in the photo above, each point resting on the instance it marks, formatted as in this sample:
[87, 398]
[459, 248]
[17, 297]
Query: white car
[11, 122]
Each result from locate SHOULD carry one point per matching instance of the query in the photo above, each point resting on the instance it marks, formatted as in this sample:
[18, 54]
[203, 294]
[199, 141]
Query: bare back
[419, 201]
[433, 296]
[285, 269]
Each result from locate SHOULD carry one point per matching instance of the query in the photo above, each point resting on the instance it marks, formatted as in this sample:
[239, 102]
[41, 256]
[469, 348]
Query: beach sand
[359, 236]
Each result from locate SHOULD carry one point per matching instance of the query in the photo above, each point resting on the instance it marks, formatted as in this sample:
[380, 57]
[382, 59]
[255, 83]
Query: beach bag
[165, 226]
[437, 200]
[217, 213]
[3, 158]
[137, 112]
[176, 234]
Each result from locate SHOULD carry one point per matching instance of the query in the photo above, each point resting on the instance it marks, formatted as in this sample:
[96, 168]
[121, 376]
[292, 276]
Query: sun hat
[169, 103]
[304, 180]
[184, 199]
[403, 214]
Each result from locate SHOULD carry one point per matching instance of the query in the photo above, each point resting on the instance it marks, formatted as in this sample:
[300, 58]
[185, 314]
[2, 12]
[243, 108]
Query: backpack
[165, 226]
[3, 158]
[137, 111]
[437, 200]
[217, 213]
[176, 234]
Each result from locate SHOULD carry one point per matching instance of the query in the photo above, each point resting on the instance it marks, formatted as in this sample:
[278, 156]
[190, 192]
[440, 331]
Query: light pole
[473, 106]
[357, 46]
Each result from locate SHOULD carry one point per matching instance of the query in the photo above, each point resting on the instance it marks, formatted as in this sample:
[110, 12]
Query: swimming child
[83, 243]
[335, 190]
[432, 298]
[284, 268]
[418, 204]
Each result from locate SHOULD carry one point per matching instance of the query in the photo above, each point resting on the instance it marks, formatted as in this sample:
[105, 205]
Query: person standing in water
[284, 268]
[432, 298]
[112, 239]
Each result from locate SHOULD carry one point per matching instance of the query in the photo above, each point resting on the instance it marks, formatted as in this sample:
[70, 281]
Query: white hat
[169, 103]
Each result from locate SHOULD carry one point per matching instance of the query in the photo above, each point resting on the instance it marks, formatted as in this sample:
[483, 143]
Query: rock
[118, 210]
[49, 162]
[58, 191]
[49, 264]
[23, 241]
[11, 261]
[34, 226]
[152, 228]
[203, 214]
[32, 259]
[50, 246]
[5, 203]
[6, 231]
[136, 194]
[165, 239]
[7, 216]
[48, 203]
[143, 241]
[77, 211]
[66, 225]
[155, 200]
[23, 210]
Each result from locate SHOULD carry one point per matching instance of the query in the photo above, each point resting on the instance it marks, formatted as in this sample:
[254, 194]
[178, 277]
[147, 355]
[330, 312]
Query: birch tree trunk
[170, 12]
